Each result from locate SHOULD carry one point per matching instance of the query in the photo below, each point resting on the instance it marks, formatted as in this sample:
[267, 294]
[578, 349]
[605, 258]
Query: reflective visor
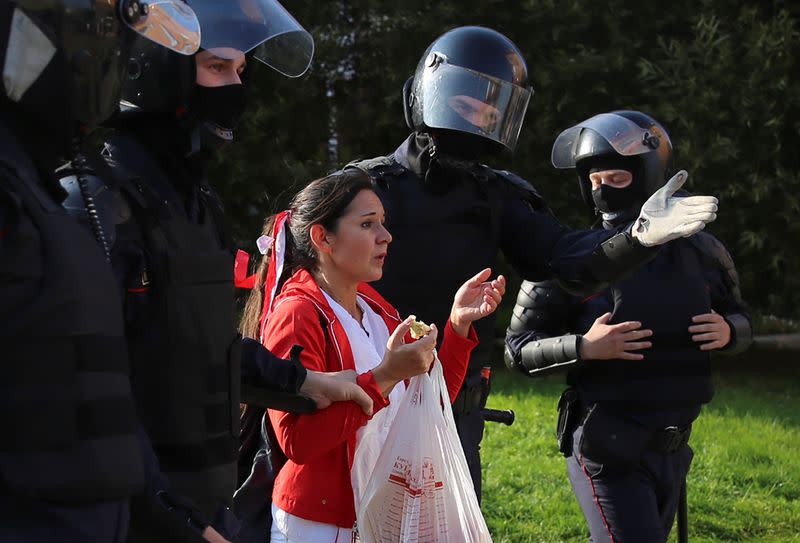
[461, 99]
[625, 137]
[234, 27]
[170, 23]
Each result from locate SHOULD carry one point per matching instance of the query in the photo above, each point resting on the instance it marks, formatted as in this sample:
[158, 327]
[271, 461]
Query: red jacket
[315, 482]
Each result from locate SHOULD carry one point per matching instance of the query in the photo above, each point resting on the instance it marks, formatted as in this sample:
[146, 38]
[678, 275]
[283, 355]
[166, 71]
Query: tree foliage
[722, 76]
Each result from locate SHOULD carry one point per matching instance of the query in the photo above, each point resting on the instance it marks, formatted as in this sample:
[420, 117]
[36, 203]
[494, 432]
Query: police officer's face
[475, 112]
[357, 250]
[619, 179]
[219, 67]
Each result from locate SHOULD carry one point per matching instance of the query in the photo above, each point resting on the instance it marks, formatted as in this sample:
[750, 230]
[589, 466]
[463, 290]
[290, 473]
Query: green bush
[721, 75]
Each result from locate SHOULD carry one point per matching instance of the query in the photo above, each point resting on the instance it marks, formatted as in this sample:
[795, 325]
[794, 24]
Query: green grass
[744, 483]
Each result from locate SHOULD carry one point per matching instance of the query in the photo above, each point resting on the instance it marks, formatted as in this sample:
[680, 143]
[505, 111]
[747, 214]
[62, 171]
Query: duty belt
[671, 439]
[468, 399]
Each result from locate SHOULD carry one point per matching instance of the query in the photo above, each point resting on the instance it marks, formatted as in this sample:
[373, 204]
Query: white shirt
[368, 343]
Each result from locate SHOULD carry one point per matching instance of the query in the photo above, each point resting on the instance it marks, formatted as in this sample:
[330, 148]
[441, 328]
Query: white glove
[664, 217]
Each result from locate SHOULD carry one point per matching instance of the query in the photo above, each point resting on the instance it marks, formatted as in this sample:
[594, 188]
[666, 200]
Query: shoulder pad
[112, 209]
[130, 164]
[522, 187]
[378, 167]
[714, 251]
[542, 306]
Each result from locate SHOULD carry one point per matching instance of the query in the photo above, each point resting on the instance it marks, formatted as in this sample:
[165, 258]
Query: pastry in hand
[418, 328]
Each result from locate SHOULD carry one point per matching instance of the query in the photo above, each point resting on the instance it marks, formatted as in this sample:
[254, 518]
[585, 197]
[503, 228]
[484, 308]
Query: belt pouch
[612, 440]
[567, 419]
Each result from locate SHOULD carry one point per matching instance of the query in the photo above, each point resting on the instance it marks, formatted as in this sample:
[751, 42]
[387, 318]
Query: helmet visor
[170, 23]
[234, 27]
[461, 99]
[625, 137]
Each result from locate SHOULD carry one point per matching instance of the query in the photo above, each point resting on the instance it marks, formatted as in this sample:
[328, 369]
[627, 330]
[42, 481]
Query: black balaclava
[219, 108]
[615, 204]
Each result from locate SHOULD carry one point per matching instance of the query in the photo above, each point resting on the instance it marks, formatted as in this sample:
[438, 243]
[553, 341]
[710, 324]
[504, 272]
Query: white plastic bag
[369, 443]
[421, 490]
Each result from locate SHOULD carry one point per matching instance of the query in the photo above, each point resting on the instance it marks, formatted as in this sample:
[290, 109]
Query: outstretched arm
[540, 247]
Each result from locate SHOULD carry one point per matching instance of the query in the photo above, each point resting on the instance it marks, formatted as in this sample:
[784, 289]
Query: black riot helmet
[470, 81]
[160, 81]
[63, 60]
[624, 139]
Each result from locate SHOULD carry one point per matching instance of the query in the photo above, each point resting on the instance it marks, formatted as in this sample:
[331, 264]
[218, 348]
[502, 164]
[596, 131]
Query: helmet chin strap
[206, 136]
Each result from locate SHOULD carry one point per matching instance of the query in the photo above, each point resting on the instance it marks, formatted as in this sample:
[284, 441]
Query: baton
[683, 519]
[504, 416]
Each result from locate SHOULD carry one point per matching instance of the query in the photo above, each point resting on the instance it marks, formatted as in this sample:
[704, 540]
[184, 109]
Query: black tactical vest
[440, 238]
[67, 419]
[185, 360]
[663, 295]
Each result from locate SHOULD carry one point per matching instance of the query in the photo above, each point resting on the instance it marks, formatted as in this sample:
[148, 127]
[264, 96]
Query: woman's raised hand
[404, 360]
[476, 298]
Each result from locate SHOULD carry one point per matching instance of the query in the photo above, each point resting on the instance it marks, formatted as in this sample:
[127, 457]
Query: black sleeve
[175, 513]
[263, 369]
[539, 247]
[726, 298]
[270, 382]
[537, 340]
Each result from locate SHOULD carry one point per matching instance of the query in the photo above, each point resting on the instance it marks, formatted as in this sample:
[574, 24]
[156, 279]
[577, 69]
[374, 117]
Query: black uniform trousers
[470, 431]
[636, 504]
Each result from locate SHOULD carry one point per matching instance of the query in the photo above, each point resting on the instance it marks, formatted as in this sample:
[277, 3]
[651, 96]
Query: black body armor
[185, 355]
[68, 420]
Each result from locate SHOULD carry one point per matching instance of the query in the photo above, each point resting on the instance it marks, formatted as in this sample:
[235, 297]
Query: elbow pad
[549, 354]
[741, 333]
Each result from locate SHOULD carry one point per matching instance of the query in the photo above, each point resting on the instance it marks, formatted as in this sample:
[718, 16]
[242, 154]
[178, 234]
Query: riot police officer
[174, 260]
[71, 452]
[638, 352]
[451, 214]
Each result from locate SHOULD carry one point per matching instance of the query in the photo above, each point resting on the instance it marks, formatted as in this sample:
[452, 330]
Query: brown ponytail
[252, 309]
[323, 201]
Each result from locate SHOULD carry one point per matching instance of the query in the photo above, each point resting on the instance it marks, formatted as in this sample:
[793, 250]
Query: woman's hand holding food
[476, 298]
[403, 360]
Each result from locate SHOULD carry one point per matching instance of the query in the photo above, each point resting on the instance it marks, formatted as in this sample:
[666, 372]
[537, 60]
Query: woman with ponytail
[312, 290]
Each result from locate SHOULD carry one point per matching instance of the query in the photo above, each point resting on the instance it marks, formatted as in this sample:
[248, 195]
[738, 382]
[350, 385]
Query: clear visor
[461, 99]
[170, 23]
[625, 137]
[234, 27]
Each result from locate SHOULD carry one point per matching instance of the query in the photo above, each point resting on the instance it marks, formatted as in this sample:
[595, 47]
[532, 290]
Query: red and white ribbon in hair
[277, 257]
[242, 264]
